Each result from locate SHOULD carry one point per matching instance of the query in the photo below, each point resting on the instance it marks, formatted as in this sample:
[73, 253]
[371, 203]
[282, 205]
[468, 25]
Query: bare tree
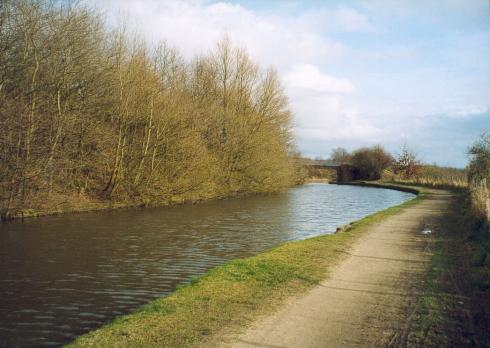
[86, 112]
[340, 155]
[406, 163]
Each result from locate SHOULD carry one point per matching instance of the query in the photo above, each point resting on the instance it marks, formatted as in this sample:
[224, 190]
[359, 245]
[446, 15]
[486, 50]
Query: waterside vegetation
[92, 117]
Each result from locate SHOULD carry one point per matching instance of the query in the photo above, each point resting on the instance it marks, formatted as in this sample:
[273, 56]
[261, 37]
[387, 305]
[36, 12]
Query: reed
[436, 182]
[432, 176]
[480, 199]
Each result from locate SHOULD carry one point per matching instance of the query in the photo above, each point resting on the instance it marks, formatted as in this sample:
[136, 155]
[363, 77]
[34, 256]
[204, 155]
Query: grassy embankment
[233, 294]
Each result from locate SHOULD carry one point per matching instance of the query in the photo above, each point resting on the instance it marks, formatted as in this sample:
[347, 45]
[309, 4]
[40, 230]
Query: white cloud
[195, 26]
[322, 114]
[351, 20]
[328, 117]
[309, 77]
[468, 111]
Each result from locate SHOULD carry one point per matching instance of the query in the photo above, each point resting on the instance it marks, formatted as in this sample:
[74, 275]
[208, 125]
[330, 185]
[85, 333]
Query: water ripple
[63, 276]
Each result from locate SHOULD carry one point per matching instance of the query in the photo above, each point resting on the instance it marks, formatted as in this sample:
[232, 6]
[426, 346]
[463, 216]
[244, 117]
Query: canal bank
[232, 296]
[81, 204]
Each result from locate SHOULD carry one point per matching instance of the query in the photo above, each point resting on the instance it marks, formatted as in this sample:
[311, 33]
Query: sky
[357, 73]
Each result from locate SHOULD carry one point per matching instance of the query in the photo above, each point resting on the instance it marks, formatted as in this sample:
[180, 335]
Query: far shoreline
[96, 207]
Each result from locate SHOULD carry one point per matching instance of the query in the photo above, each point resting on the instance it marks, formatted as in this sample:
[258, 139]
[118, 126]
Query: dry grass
[480, 199]
[432, 176]
[436, 182]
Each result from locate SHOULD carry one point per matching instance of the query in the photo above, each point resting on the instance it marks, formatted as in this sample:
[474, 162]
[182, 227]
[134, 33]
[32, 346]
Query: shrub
[479, 168]
[370, 163]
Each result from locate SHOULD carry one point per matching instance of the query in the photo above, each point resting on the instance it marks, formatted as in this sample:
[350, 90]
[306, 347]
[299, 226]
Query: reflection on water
[63, 276]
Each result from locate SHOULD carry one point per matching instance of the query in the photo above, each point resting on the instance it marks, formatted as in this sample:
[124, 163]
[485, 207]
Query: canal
[64, 275]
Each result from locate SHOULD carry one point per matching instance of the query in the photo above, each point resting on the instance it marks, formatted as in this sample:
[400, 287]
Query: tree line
[374, 163]
[88, 111]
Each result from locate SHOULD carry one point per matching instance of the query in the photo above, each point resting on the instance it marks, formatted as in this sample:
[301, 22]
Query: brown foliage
[93, 112]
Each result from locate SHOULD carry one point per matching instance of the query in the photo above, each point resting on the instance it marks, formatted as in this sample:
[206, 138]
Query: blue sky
[357, 73]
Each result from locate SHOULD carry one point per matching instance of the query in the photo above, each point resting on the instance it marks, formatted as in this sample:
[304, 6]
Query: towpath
[369, 299]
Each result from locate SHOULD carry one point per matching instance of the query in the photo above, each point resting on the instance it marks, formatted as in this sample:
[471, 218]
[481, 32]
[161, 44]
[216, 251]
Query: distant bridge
[343, 172]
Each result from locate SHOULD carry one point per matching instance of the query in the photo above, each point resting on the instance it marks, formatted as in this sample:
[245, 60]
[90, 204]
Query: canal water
[64, 275]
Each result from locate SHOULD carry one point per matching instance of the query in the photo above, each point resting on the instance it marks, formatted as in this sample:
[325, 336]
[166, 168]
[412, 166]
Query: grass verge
[233, 294]
[454, 311]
